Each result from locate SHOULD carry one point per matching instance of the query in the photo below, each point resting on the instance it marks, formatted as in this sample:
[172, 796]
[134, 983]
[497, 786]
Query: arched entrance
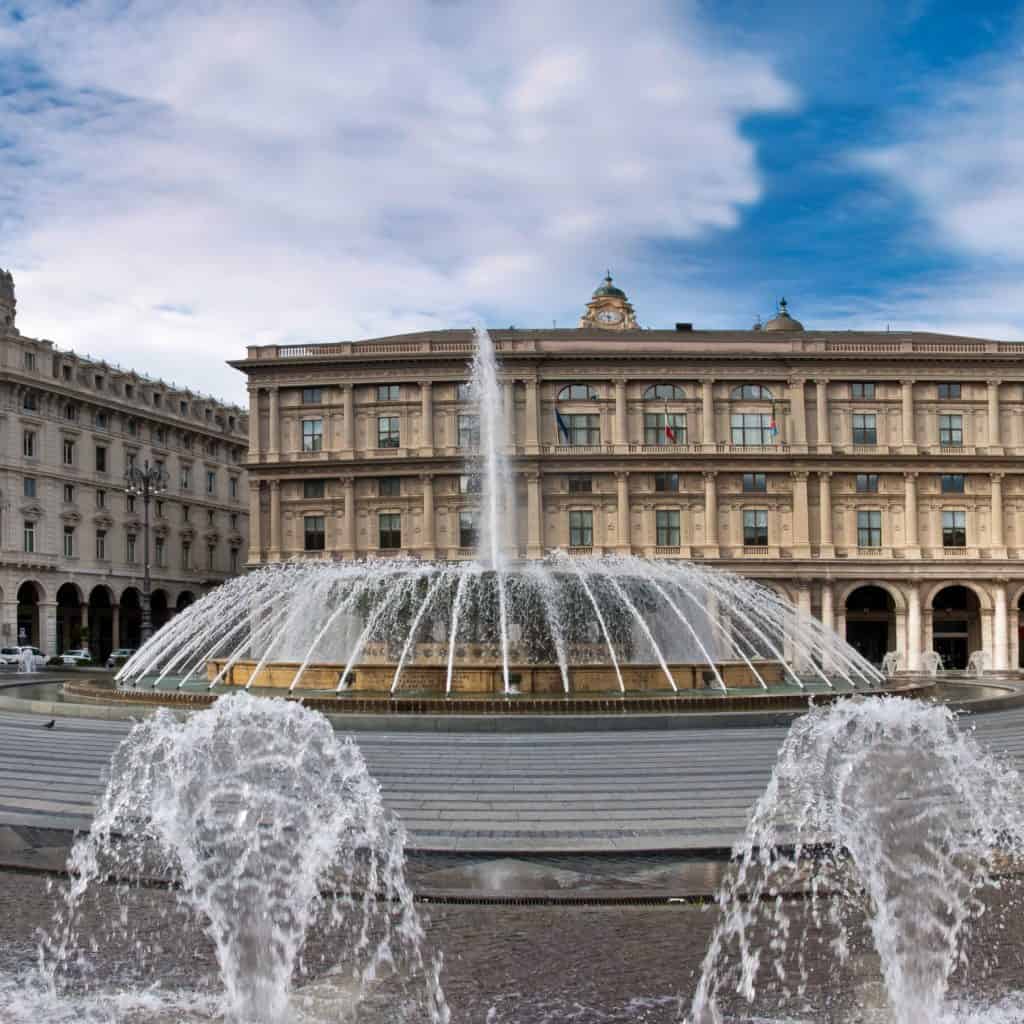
[185, 598]
[29, 596]
[131, 618]
[69, 618]
[158, 608]
[871, 622]
[956, 625]
[101, 623]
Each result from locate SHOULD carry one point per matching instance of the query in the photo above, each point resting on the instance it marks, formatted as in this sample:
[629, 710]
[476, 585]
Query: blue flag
[563, 427]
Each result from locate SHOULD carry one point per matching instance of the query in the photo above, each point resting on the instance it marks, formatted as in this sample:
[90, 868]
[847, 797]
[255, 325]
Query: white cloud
[211, 178]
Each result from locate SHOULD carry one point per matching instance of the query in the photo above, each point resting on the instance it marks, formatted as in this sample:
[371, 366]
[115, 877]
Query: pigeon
[50, 724]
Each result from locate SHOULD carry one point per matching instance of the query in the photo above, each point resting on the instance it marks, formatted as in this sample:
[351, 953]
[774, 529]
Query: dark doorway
[185, 598]
[101, 623]
[871, 623]
[956, 626]
[69, 618]
[29, 633]
[158, 608]
[131, 618]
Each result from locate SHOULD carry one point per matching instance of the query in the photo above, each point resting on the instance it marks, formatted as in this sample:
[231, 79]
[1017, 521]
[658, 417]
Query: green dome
[607, 289]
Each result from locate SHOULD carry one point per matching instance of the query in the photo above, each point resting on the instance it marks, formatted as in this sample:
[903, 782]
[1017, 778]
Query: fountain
[978, 663]
[891, 663]
[931, 663]
[879, 809]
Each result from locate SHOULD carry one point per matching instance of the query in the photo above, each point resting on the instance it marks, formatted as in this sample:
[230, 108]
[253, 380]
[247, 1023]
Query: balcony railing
[755, 551]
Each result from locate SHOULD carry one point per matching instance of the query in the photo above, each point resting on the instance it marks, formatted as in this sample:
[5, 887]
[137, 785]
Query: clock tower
[609, 309]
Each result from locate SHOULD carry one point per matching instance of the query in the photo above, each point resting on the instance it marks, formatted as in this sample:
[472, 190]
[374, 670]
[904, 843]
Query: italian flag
[669, 432]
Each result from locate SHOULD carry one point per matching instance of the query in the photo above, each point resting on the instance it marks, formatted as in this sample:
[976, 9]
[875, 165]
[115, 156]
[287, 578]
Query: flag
[563, 427]
[773, 426]
[669, 432]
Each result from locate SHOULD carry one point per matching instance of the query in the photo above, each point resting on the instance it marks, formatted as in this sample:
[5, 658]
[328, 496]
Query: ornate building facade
[873, 478]
[71, 539]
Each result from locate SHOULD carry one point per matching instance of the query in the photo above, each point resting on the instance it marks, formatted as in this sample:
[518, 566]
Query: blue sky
[180, 179]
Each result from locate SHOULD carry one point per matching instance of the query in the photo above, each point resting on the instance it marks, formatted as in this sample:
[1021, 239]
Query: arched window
[664, 393]
[752, 391]
[577, 393]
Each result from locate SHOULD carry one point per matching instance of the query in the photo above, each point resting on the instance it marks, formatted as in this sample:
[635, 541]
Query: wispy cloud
[181, 179]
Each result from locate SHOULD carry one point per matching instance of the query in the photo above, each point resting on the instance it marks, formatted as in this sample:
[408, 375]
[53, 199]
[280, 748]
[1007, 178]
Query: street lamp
[145, 483]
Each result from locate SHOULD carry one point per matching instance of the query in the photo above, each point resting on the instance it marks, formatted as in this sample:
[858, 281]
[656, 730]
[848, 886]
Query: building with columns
[871, 477]
[71, 539]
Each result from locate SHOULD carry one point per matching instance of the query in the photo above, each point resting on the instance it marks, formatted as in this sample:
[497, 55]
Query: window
[129, 503]
[129, 459]
[755, 527]
[662, 429]
[581, 528]
[102, 420]
[65, 372]
[666, 483]
[69, 494]
[158, 400]
[388, 432]
[101, 498]
[313, 488]
[210, 514]
[186, 478]
[862, 389]
[388, 392]
[29, 536]
[129, 548]
[98, 382]
[869, 528]
[233, 486]
[69, 542]
[29, 402]
[211, 481]
[312, 396]
[69, 452]
[160, 552]
[469, 431]
[580, 429]
[28, 444]
[867, 483]
[954, 528]
[101, 458]
[211, 557]
[949, 391]
[752, 428]
[29, 487]
[664, 393]
[312, 435]
[70, 412]
[755, 392]
[580, 483]
[234, 520]
[577, 393]
[667, 525]
[186, 442]
[186, 511]
[186, 554]
[159, 436]
[389, 526]
[183, 408]
[951, 431]
[234, 561]
[132, 426]
[464, 391]
[159, 509]
[389, 486]
[101, 545]
[469, 532]
[755, 482]
[952, 483]
[469, 483]
[29, 360]
[864, 429]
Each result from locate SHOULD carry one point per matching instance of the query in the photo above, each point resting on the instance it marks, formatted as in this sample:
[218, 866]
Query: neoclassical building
[71, 539]
[874, 478]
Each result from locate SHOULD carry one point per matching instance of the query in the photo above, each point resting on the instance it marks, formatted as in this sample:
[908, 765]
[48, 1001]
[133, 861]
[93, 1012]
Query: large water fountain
[497, 625]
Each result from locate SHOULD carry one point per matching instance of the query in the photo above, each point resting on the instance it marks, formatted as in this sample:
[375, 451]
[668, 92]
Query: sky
[179, 180]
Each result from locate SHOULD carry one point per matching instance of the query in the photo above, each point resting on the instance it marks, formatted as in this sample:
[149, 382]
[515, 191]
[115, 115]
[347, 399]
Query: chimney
[684, 327]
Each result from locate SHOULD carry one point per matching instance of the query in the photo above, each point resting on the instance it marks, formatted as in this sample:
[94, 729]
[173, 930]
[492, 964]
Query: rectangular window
[313, 488]
[581, 528]
[30, 360]
[69, 542]
[752, 428]
[755, 527]
[662, 429]
[69, 452]
[159, 509]
[183, 408]
[389, 487]
[469, 431]
[869, 528]
[312, 435]
[464, 391]
[186, 478]
[233, 486]
[954, 528]
[129, 503]
[469, 483]
[186, 511]
[862, 389]
[29, 402]
[211, 481]
[952, 483]
[129, 548]
[160, 552]
[949, 391]
[98, 382]
[864, 429]
[388, 432]
[580, 484]
[69, 495]
[102, 420]
[101, 459]
[210, 516]
[101, 499]
[29, 487]
[867, 483]
[581, 429]
[101, 545]
[387, 392]
[186, 555]
[667, 524]
[28, 444]
[129, 460]
[132, 426]
[29, 537]
[312, 396]
[70, 411]
[666, 483]
[211, 557]
[389, 526]
[157, 401]
[65, 371]
[234, 561]
[469, 533]
[234, 520]
[755, 482]
[951, 431]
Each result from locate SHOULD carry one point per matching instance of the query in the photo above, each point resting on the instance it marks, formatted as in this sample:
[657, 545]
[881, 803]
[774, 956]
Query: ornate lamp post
[145, 483]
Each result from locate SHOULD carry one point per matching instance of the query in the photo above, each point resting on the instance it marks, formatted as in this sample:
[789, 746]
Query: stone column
[912, 544]
[707, 415]
[826, 545]
[48, 628]
[348, 422]
[828, 613]
[115, 626]
[254, 425]
[426, 419]
[427, 547]
[821, 408]
[348, 537]
[624, 545]
[508, 398]
[998, 541]
[798, 413]
[274, 440]
[1014, 638]
[255, 524]
[935, 526]
[801, 530]
[275, 520]
[914, 641]
[710, 514]
[534, 516]
[994, 431]
[1000, 645]
[621, 424]
[532, 417]
[907, 396]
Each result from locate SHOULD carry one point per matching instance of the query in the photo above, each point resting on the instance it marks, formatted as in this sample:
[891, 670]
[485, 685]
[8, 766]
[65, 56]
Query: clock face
[609, 316]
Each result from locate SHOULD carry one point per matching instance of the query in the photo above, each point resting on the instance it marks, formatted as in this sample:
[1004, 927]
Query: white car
[15, 655]
[81, 656]
[119, 657]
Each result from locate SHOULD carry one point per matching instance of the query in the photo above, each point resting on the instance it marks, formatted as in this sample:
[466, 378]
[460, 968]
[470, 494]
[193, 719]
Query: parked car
[119, 657]
[14, 655]
[80, 656]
